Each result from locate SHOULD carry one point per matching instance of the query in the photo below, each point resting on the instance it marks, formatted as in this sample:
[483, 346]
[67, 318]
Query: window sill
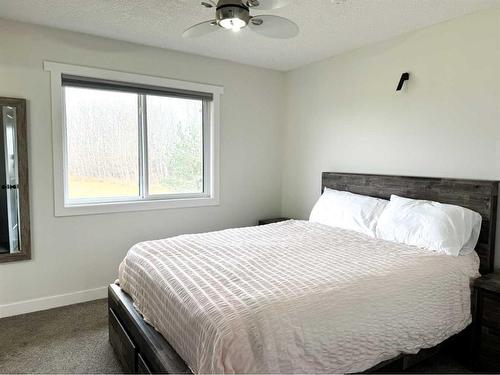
[114, 207]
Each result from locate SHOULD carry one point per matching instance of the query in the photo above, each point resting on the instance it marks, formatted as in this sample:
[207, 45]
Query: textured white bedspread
[296, 297]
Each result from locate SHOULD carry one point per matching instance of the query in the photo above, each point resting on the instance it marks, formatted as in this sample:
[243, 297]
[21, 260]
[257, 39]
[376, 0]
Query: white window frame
[211, 152]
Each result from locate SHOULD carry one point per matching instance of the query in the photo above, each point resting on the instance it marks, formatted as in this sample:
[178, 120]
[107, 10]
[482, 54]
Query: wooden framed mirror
[15, 237]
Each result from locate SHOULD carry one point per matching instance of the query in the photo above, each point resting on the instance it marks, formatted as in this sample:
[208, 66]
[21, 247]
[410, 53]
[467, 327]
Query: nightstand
[486, 323]
[275, 220]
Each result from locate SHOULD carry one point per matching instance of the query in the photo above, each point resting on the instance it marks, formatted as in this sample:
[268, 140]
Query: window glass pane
[175, 145]
[102, 143]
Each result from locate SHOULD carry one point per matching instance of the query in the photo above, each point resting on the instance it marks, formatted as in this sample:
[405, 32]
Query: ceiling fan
[235, 15]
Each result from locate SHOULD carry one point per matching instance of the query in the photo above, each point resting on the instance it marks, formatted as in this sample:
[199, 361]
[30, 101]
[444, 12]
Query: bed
[297, 297]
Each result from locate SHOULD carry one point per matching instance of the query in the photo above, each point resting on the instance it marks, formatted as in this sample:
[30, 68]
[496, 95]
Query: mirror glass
[9, 180]
[14, 196]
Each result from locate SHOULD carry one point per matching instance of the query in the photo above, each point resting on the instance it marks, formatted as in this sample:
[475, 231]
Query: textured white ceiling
[327, 27]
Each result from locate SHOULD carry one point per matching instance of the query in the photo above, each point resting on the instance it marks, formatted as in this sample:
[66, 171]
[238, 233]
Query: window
[132, 143]
[102, 145]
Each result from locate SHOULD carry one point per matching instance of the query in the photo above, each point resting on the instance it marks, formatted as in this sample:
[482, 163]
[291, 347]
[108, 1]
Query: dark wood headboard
[478, 195]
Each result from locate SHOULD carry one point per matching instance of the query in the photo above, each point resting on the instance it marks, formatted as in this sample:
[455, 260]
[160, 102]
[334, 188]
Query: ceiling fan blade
[266, 4]
[274, 27]
[201, 29]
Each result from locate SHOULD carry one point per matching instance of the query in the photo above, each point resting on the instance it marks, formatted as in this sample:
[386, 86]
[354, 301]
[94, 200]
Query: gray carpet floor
[74, 339]
[71, 339]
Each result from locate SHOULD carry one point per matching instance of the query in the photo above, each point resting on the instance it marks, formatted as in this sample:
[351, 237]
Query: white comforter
[296, 297]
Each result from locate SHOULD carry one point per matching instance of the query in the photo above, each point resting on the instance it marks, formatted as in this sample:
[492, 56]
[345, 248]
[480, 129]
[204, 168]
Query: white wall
[344, 115]
[75, 254]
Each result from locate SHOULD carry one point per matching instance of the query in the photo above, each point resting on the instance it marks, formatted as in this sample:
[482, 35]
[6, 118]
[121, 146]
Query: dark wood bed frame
[141, 349]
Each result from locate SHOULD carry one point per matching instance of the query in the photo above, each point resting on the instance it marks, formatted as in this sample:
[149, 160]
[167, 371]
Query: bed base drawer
[131, 360]
[138, 346]
[142, 366]
[122, 344]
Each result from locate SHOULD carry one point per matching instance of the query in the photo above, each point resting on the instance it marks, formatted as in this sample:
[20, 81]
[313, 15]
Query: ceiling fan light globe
[234, 24]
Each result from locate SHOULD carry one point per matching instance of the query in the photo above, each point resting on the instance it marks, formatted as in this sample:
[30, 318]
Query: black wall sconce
[404, 77]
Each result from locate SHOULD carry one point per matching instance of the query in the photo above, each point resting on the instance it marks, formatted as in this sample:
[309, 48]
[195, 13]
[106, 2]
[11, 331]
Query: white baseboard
[45, 303]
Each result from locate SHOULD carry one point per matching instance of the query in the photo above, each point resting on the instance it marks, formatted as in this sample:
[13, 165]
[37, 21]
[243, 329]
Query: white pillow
[348, 211]
[445, 228]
